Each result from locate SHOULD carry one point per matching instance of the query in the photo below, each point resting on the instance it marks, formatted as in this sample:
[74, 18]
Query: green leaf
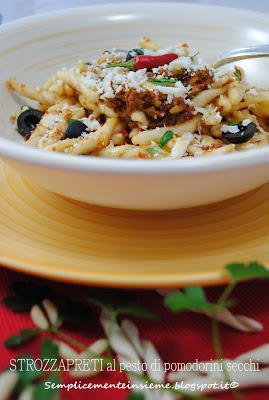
[23, 336]
[136, 396]
[73, 120]
[137, 311]
[240, 271]
[193, 298]
[40, 391]
[237, 73]
[167, 136]
[153, 151]
[130, 64]
[49, 350]
[234, 123]
[164, 82]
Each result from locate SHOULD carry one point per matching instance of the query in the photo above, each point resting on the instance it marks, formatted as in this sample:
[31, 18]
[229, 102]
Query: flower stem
[216, 336]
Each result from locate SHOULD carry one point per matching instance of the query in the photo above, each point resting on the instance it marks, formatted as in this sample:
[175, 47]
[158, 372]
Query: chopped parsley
[167, 136]
[235, 123]
[164, 82]
[237, 73]
[153, 151]
[73, 120]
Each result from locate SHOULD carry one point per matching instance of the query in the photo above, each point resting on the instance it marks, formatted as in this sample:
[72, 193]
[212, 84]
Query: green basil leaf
[153, 151]
[237, 73]
[164, 82]
[234, 123]
[167, 136]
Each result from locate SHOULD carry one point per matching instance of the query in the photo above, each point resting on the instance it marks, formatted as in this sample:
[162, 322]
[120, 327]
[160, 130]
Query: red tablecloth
[178, 337]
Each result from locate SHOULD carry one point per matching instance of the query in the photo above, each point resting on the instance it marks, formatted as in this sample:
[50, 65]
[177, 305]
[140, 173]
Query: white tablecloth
[12, 9]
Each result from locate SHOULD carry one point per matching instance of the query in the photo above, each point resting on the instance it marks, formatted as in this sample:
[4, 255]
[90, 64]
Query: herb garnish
[164, 82]
[235, 123]
[153, 151]
[237, 73]
[167, 136]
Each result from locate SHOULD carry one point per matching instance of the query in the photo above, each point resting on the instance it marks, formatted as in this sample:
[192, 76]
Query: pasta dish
[147, 102]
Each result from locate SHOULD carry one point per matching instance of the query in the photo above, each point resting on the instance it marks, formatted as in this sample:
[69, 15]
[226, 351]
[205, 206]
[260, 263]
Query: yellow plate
[44, 234]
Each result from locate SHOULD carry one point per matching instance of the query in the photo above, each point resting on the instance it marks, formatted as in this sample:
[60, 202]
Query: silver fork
[242, 54]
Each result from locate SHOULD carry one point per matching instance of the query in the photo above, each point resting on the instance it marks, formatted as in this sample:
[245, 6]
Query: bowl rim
[20, 152]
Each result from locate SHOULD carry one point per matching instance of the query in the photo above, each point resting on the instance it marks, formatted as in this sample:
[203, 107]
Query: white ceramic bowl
[33, 48]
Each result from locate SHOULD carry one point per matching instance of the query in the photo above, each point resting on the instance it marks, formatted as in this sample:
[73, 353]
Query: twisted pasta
[160, 104]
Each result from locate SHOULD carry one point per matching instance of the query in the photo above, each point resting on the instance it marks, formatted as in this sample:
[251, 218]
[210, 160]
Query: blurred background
[12, 9]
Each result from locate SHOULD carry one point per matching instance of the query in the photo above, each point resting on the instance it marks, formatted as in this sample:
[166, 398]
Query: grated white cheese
[170, 98]
[178, 90]
[90, 80]
[253, 91]
[234, 128]
[115, 79]
[24, 108]
[92, 124]
[179, 49]
[107, 82]
[181, 145]
[246, 122]
[211, 115]
[230, 129]
[218, 74]
[180, 63]
[49, 120]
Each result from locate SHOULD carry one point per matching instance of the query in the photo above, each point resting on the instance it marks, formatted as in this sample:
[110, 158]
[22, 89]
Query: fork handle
[242, 54]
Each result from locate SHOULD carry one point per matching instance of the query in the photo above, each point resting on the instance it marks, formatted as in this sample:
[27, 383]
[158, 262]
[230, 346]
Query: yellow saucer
[44, 234]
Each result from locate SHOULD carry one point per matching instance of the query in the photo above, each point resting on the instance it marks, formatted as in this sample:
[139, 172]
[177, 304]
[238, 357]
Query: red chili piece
[148, 62]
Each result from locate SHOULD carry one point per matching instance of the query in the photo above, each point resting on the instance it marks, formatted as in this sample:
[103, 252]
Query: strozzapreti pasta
[147, 102]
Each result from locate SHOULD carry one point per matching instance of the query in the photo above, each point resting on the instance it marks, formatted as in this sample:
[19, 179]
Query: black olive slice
[133, 53]
[244, 135]
[74, 129]
[27, 121]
